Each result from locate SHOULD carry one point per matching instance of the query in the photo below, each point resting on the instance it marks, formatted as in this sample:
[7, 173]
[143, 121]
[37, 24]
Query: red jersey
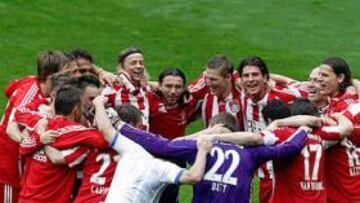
[213, 105]
[98, 171]
[298, 89]
[301, 178]
[13, 85]
[170, 122]
[10, 168]
[46, 182]
[254, 120]
[342, 165]
[343, 184]
[341, 102]
[127, 93]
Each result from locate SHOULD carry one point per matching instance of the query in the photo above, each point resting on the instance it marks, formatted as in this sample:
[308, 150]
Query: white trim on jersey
[7, 194]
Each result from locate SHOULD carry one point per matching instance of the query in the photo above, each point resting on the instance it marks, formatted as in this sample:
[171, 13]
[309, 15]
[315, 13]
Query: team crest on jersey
[162, 108]
[234, 107]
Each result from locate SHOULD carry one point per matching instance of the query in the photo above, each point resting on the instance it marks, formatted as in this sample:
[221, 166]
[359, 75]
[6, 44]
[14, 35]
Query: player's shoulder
[282, 94]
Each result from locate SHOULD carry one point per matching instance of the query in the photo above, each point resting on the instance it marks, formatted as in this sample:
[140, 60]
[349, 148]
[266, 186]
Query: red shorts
[9, 194]
[265, 190]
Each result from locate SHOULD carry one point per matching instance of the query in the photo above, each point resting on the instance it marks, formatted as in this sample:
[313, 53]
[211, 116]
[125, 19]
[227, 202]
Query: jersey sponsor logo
[40, 156]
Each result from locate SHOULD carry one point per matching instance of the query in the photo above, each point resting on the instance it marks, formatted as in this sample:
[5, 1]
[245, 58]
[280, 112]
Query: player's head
[80, 62]
[254, 76]
[335, 76]
[218, 75]
[131, 62]
[68, 102]
[130, 115]
[303, 106]
[172, 86]
[228, 120]
[314, 88]
[275, 109]
[48, 63]
[59, 80]
[90, 86]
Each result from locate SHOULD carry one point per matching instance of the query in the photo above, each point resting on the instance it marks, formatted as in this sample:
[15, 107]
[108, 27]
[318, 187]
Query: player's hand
[217, 129]
[204, 144]
[306, 128]
[48, 137]
[100, 100]
[41, 126]
[46, 110]
[105, 77]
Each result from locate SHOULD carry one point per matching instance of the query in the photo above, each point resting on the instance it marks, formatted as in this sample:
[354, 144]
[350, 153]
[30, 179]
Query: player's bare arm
[102, 121]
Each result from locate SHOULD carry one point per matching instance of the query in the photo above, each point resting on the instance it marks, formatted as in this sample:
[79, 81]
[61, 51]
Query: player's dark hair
[172, 72]
[127, 52]
[254, 61]
[66, 99]
[222, 63]
[130, 114]
[88, 80]
[340, 66]
[228, 120]
[59, 80]
[275, 109]
[303, 106]
[76, 54]
[48, 63]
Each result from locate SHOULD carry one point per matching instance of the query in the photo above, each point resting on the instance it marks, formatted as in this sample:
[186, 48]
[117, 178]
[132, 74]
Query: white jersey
[139, 177]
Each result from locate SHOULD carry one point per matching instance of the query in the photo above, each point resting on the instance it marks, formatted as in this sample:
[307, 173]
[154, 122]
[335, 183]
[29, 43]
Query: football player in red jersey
[342, 183]
[133, 87]
[255, 96]
[48, 63]
[43, 181]
[222, 95]
[171, 109]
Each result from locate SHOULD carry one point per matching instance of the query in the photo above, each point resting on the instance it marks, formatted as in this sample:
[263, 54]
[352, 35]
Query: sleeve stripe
[114, 140]
[178, 176]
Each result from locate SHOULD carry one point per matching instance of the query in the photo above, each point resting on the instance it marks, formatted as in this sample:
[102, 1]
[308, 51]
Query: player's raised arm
[292, 146]
[103, 123]
[196, 172]
[297, 121]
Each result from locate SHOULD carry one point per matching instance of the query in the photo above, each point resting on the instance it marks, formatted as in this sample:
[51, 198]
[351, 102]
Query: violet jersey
[229, 168]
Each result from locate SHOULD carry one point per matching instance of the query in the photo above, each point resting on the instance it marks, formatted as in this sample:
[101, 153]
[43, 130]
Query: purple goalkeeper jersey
[229, 168]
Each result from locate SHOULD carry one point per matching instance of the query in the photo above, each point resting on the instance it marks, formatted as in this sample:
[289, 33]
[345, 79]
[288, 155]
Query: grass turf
[292, 36]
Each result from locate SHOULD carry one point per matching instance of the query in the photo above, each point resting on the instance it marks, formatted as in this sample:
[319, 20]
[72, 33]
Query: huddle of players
[251, 97]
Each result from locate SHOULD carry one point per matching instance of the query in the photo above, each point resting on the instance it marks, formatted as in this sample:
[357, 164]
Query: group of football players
[76, 132]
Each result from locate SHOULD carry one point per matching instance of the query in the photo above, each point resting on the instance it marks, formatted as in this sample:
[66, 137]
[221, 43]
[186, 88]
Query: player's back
[228, 176]
[301, 178]
[98, 170]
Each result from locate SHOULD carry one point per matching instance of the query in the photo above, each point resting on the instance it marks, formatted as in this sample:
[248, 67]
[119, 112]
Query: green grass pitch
[292, 36]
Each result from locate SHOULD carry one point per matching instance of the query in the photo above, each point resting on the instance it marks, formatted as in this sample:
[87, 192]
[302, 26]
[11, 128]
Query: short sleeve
[169, 172]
